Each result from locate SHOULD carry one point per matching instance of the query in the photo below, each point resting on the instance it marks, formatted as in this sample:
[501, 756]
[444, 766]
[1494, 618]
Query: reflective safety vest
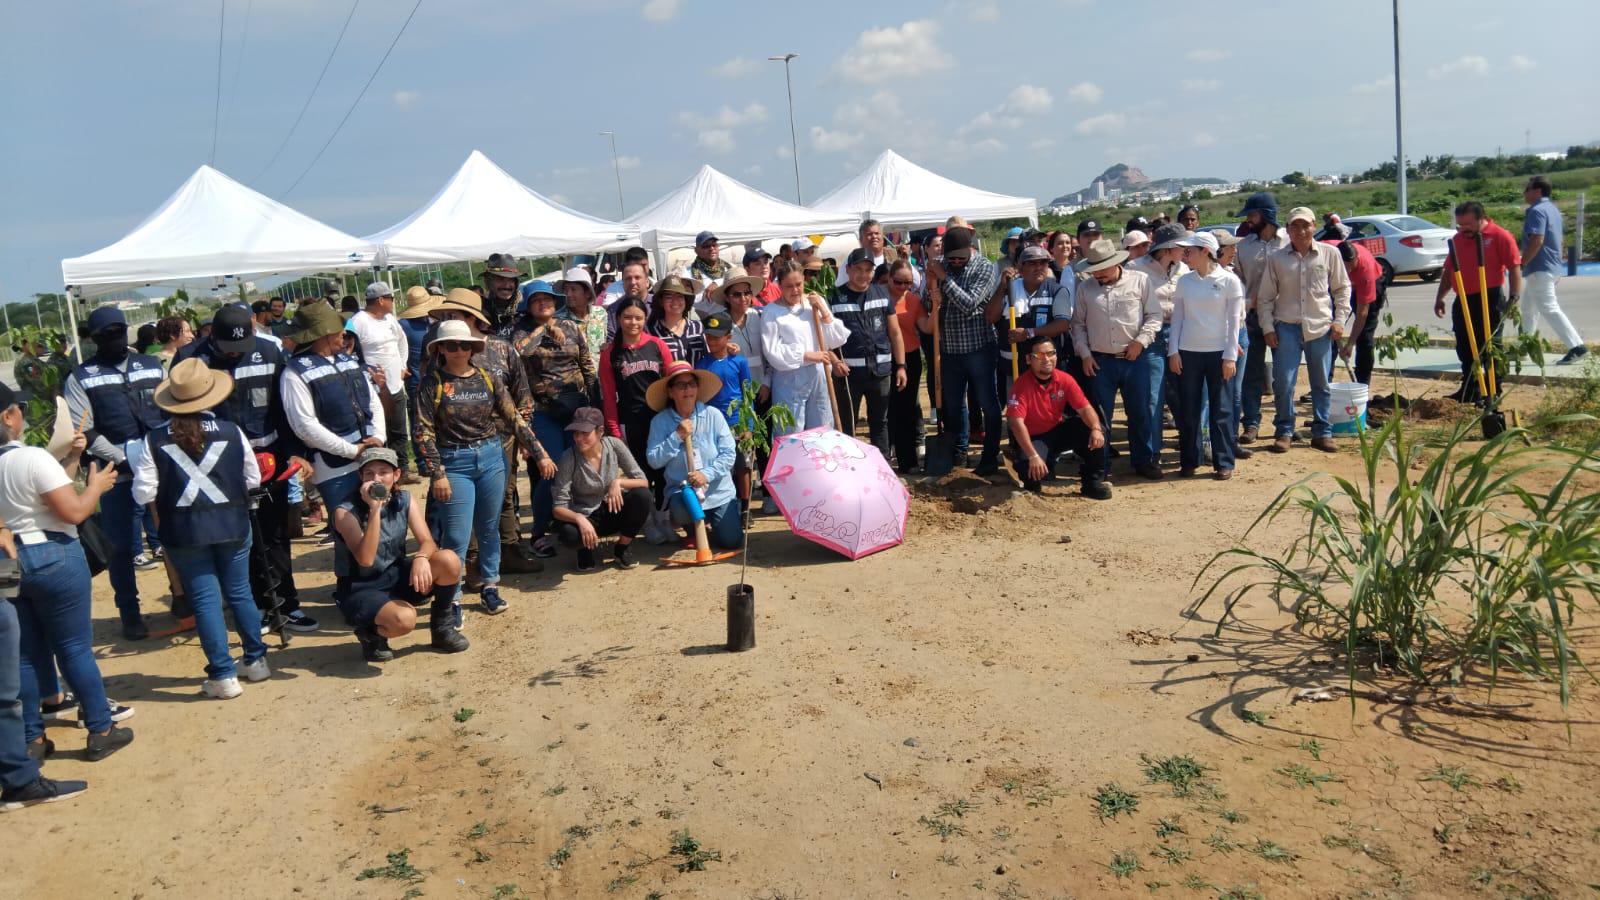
[123, 403]
[869, 316]
[339, 394]
[255, 404]
[1033, 311]
[201, 501]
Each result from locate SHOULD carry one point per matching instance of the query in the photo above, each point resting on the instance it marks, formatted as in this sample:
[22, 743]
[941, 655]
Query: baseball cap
[586, 418]
[1033, 253]
[261, 306]
[9, 396]
[1205, 240]
[1260, 200]
[378, 454]
[1089, 226]
[801, 244]
[703, 238]
[751, 256]
[1015, 232]
[1302, 212]
[1134, 239]
[232, 330]
[717, 325]
[858, 255]
[379, 289]
[106, 317]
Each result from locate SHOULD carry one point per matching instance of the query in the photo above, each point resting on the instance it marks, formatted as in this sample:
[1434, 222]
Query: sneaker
[300, 623]
[1573, 355]
[59, 712]
[42, 790]
[769, 507]
[585, 559]
[493, 603]
[456, 619]
[103, 745]
[374, 646]
[986, 467]
[144, 562]
[327, 538]
[255, 671]
[119, 713]
[135, 629]
[544, 546]
[446, 639]
[40, 750]
[624, 556]
[221, 688]
[1096, 490]
[515, 561]
[158, 554]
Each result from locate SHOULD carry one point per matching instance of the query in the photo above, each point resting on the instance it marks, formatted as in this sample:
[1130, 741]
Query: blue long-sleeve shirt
[714, 451]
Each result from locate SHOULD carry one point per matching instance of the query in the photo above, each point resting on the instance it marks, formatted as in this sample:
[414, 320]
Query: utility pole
[1399, 130]
[616, 166]
[794, 141]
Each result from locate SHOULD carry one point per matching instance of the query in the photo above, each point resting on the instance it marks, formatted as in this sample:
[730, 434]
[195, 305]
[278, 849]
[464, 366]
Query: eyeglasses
[1044, 354]
[682, 383]
[455, 346]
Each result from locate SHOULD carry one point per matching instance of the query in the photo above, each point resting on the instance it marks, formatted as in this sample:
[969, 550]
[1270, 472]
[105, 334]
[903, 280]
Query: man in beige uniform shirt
[1114, 324]
[1303, 302]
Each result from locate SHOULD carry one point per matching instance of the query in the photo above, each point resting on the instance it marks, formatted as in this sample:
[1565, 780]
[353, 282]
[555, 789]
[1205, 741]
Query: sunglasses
[682, 383]
[958, 257]
[904, 282]
[742, 293]
[456, 346]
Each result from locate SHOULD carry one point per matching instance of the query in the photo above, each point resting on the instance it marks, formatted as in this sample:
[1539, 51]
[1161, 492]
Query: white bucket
[1347, 407]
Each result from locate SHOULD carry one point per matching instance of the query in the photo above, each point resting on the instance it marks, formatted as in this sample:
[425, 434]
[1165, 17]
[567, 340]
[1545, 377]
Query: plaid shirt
[556, 357]
[963, 295]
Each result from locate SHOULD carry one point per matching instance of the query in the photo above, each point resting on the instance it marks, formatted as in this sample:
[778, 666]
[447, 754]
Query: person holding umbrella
[685, 424]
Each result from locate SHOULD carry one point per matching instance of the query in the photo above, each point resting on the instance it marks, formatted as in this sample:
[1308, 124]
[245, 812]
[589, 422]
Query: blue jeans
[956, 372]
[555, 439]
[147, 523]
[1236, 384]
[17, 769]
[804, 392]
[1252, 373]
[1286, 369]
[1202, 391]
[1135, 380]
[53, 608]
[336, 490]
[120, 520]
[1159, 390]
[212, 575]
[724, 530]
[477, 490]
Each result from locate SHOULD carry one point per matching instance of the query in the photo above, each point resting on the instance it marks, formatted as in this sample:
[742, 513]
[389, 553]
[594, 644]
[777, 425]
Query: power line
[309, 97]
[238, 67]
[352, 109]
[216, 108]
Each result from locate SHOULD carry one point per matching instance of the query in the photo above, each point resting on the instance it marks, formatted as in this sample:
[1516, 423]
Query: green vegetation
[1124, 863]
[1181, 773]
[1111, 801]
[1457, 777]
[692, 857]
[399, 867]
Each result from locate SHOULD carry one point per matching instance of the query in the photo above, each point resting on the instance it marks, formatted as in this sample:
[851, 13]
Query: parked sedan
[1403, 245]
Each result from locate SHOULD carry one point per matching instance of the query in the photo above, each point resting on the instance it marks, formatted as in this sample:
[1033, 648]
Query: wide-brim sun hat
[192, 387]
[462, 300]
[1102, 254]
[656, 396]
[313, 320]
[1167, 237]
[718, 293]
[676, 284]
[455, 331]
[418, 302]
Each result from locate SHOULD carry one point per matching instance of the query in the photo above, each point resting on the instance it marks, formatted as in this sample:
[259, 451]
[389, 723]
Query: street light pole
[794, 141]
[1399, 138]
[617, 167]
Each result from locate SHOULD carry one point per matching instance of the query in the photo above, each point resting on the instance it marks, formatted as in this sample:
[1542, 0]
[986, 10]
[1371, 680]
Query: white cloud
[1085, 92]
[628, 162]
[988, 147]
[753, 171]
[884, 53]
[1042, 145]
[717, 140]
[1028, 100]
[727, 117]
[1200, 85]
[1203, 139]
[1374, 87]
[404, 99]
[825, 141]
[1466, 65]
[1209, 55]
[987, 11]
[660, 10]
[738, 67]
[1106, 123]
[1520, 63]
[784, 152]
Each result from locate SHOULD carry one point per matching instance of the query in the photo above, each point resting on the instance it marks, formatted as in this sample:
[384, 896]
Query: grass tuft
[1111, 801]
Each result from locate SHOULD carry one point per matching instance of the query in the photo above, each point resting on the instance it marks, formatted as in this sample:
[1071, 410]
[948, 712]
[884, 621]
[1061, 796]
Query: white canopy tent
[211, 227]
[733, 211]
[901, 194]
[483, 210]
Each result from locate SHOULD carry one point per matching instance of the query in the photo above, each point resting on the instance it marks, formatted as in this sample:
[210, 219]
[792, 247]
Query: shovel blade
[939, 455]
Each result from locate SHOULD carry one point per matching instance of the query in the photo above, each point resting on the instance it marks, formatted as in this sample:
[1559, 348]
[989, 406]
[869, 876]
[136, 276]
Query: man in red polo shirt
[1501, 258]
[1039, 423]
[1367, 296]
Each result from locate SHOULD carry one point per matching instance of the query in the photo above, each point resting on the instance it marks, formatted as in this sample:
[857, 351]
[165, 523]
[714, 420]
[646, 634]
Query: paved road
[1411, 302]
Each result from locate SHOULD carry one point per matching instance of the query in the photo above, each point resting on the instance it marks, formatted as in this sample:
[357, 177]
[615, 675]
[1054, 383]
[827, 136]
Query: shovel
[701, 555]
[1494, 421]
[939, 448]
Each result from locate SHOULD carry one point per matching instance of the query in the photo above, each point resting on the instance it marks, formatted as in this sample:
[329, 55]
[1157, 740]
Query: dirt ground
[932, 721]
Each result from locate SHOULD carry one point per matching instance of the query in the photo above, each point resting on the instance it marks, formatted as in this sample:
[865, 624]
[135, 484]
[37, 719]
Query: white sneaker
[221, 688]
[255, 671]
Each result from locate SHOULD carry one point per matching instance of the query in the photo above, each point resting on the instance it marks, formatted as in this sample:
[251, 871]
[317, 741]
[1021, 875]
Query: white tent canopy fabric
[900, 193]
[483, 210]
[214, 226]
[733, 211]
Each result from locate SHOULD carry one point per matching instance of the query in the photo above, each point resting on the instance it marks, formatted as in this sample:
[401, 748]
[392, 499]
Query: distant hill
[1128, 178]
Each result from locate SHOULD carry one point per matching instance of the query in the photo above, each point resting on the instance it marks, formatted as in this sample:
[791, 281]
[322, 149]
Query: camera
[376, 491]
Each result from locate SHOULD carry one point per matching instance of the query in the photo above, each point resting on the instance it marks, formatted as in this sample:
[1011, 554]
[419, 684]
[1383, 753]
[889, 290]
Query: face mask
[112, 347]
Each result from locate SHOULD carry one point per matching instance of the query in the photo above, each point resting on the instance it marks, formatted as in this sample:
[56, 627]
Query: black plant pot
[741, 617]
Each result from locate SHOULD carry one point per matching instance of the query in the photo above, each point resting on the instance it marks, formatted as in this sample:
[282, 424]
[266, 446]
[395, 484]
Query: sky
[108, 106]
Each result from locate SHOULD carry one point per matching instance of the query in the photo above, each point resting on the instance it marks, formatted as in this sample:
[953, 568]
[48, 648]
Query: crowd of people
[626, 398]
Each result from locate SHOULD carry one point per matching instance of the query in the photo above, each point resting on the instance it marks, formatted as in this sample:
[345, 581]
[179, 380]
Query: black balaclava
[111, 345]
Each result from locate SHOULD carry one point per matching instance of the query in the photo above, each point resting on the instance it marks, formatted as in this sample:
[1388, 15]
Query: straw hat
[462, 300]
[192, 386]
[455, 331]
[676, 284]
[418, 302]
[314, 319]
[656, 396]
[1102, 254]
[718, 292]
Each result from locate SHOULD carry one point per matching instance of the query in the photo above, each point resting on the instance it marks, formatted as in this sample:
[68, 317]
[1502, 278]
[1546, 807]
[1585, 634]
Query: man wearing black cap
[256, 406]
[758, 264]
[1089, 232]
[875, 351]
[500, 276]
[964, 281]
[112, 397]
[707, 268]
[1260, 213]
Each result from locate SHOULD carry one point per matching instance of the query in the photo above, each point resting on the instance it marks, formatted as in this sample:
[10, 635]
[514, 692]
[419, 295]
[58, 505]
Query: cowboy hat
[418, 302]
[314, 319]
[502, 264]
[1102, 254]
[192, 386]
[676, 284]
[656, 396]
[718, 292]
[454, 331]
[462, 300]
[577, 275]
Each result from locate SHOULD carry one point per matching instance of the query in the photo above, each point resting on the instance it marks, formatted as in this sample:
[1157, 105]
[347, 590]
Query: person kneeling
[1037, 413]
[386, 587]
[684, 422]
[599, 490]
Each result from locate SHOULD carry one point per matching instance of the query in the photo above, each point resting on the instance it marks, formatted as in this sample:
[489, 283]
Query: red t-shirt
[906, 313]
[1364, 275]
[1041, 407]
[1499, 248]
[768, 294]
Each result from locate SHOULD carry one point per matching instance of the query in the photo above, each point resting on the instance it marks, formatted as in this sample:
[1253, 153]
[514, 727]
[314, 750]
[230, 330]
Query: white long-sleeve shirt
[302, 414]
[1207, 312]
[147, 479]
[786, 335]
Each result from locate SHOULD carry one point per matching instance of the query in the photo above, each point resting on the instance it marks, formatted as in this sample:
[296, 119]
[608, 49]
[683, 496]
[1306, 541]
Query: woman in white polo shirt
[1203, 351]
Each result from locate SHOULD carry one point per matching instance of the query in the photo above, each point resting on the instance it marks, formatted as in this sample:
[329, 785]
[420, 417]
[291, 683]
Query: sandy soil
[1019, 653]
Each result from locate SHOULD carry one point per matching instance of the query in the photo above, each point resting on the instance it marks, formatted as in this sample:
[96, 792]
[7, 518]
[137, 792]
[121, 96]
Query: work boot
[1096, 490]
[1325, 444]
[374, 646]
[1243, 453]
[446, 637]
[133, 627]
[1249, 435]
[516, 561]
[1281, 443]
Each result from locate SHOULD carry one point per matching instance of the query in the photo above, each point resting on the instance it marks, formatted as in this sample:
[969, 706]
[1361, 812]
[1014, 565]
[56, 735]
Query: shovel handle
[1488, 334]
[1466, 313]
[702, 545]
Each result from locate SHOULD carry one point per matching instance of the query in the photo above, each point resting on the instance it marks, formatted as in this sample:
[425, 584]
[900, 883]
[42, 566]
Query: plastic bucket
[1347, 407]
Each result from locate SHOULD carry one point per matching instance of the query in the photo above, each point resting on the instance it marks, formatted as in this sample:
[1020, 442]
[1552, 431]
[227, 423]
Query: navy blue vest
[255, 404]
[124, 404]
[1040, 308]
[339, 393]
[868, 318]
[201, 501]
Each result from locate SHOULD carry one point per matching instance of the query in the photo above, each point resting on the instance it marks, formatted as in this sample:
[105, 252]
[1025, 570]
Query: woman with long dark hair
[669, 310]
[628, 366]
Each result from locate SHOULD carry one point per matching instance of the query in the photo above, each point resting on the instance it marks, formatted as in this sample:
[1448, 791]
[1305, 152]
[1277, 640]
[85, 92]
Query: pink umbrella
[837, 491]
